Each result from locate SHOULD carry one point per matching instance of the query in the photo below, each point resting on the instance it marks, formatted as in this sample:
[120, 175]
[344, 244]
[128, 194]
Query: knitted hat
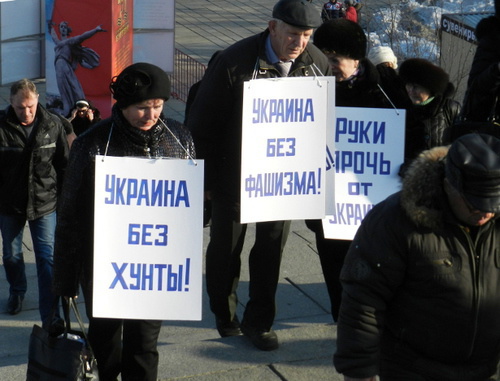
[343, 37]
[139, 82]
[424, 73]
[380, 54]
[299, 13]
[473, 168]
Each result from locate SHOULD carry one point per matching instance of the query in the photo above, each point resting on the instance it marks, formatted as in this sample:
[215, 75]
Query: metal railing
[187, 71]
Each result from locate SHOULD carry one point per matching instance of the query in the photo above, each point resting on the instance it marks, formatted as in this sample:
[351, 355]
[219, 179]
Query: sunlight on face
[342, 67]
[417, 93]
[288, 42]
[25, 104]
[144, 115]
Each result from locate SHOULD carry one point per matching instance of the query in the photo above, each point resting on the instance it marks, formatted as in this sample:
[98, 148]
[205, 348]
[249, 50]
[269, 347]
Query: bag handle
[66, 306]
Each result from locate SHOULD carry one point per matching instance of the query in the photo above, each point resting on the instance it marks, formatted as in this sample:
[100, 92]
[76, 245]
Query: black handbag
[67, 357]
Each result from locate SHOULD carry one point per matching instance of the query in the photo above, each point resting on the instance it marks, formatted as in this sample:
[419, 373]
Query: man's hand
[90, 114]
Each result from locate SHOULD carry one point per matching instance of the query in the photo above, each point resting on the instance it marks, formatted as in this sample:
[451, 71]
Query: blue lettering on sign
[147, 192]
[360, 131]
[283, 184]
[282, 110]
[350, 214]
[360, 162]
[152, 277]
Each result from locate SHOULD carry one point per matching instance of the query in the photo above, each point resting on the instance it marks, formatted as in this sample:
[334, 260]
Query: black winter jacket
[31, 170]
[368, 87]
[75, 225]
[417, 282]
[431, 125]
[215, 116]
[483, 86]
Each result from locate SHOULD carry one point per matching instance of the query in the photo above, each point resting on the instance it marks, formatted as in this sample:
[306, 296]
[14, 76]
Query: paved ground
[193, 350]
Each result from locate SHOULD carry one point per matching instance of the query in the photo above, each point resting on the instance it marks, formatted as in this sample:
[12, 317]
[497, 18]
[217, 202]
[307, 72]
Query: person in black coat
[421, 278]
[358, 84]
[483, 87]
[83, 115]
[434, 112]
[216, 123]
[136, 128]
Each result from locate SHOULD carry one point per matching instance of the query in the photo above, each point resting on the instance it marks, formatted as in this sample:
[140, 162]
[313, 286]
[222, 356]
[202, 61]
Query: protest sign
[148, 238]
[367, 152]
[283, 139]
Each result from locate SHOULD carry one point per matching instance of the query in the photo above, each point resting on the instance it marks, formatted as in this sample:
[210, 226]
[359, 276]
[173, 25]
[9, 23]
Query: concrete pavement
[193, 350]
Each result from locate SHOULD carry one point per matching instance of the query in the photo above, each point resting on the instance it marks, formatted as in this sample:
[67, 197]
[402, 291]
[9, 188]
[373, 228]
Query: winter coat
[75, 225]
[431, 125]
[419, 288]
[332, 11]
[32, 168]
[483, 86]
[216, 113]
[364, 90]
[351, 14]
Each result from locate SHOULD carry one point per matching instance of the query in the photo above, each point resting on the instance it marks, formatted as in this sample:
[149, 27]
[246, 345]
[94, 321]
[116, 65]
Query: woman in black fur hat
[358, 84]
[434, 111]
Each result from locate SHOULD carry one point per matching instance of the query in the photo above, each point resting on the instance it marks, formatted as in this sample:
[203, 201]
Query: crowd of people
[414, 294]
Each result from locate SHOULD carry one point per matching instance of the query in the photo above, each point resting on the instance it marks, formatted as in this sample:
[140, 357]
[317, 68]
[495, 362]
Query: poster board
[283, 139]
[148, 238]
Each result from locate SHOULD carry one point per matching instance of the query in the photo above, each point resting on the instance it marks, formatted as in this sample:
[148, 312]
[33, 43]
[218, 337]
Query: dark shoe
[226, 329]
[260, 338]
[15, 304]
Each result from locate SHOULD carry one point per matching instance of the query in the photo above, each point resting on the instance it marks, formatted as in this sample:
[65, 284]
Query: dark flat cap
[298, 13]
[473, 168]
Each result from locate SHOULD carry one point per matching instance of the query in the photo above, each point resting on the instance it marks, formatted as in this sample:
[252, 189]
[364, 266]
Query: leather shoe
[260, 338]
[15, 304]
[227, 329]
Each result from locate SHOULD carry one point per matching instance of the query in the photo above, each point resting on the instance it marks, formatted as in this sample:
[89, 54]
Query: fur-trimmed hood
[422, 196]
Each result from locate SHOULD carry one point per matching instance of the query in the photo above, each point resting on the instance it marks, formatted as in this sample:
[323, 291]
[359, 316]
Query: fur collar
[422, 196]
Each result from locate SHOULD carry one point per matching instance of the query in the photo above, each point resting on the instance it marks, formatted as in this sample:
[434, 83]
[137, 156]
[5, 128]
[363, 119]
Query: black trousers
[123, 346]
[223, 264]
[332, 253]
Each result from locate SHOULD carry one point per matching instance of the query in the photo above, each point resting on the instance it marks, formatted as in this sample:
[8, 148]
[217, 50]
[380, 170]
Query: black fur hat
[139, 82]
[343, 37]
[426, 74]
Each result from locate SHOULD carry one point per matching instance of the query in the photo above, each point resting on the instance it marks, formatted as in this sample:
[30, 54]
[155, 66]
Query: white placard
[367, 150]
[148, 238]
[283, 139]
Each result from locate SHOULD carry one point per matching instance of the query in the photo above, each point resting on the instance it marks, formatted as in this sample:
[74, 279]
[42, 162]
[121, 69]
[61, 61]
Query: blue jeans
[42, 234]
